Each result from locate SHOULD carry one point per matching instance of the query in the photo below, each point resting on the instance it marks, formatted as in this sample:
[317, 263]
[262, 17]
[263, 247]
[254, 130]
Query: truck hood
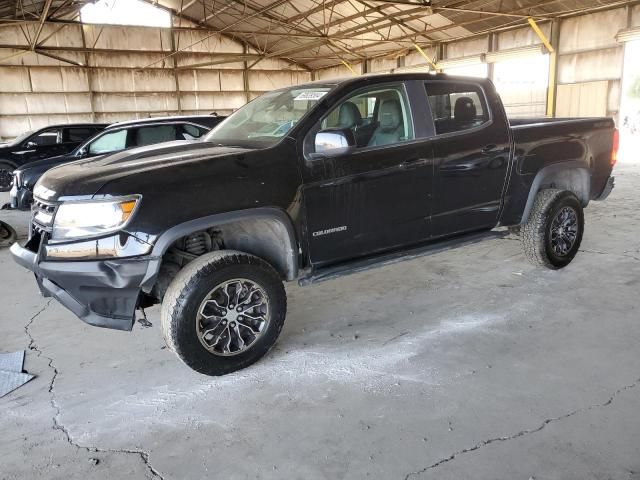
[84, 178]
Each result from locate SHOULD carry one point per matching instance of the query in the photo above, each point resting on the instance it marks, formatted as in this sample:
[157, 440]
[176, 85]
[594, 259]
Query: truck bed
[540, 143]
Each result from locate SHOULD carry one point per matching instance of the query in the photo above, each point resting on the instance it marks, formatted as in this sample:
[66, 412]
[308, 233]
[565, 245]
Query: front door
[471, 155]
[377, 195]
[45, 144]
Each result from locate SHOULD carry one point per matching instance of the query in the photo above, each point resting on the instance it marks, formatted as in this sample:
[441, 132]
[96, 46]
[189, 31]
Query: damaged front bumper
[103, 293]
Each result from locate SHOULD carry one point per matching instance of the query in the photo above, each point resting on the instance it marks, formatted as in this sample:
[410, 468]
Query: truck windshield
[21, 138]
[264, 121]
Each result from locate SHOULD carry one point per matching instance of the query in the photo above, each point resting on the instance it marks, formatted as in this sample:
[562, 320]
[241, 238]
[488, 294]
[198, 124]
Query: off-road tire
[535, 234]
[5, 169]
[190, 287]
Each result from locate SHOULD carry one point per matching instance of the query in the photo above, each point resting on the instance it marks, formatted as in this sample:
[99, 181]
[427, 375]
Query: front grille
[42, 216]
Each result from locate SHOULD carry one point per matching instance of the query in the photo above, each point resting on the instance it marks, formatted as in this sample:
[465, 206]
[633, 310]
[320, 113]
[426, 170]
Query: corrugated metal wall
[590, 64]
[36, 90]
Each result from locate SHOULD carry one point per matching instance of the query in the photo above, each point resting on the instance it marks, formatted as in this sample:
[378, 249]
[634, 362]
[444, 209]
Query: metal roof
[317, 33]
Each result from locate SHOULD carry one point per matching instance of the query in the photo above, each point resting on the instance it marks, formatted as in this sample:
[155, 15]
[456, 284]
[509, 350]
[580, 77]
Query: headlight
[92, 218]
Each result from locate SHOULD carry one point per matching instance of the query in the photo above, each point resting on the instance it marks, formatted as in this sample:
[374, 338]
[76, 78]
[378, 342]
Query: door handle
[489, 148]
[418, 162]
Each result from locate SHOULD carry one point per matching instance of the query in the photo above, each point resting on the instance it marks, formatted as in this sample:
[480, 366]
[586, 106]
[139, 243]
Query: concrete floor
[467, 364]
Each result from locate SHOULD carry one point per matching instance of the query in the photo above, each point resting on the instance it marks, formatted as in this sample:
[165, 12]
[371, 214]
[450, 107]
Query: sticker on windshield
[310, 95]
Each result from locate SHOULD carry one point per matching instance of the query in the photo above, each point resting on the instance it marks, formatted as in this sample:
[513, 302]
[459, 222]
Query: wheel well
[573, 179]
[265, 237]
[8, 162]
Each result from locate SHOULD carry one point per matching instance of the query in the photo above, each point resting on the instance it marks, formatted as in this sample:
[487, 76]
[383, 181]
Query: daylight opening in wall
[125, 12]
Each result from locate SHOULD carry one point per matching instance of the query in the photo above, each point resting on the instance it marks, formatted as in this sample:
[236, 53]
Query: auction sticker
[310, 95]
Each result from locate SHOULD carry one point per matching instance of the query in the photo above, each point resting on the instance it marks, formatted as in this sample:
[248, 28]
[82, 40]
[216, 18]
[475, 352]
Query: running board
[368, 263]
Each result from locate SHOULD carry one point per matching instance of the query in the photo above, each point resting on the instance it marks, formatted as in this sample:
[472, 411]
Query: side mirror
[31, 145]
[82, 152]
[332, 142]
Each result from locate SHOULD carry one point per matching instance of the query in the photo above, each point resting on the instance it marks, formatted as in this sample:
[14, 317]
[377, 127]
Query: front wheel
[552, 235]
[6, 176]
[223, 312]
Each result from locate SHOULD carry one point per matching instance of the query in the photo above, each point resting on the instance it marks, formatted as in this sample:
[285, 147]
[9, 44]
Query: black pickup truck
[306, 183]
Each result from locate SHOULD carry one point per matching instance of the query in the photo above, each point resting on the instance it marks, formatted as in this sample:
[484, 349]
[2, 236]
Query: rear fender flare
[272, 226]
[573, 176]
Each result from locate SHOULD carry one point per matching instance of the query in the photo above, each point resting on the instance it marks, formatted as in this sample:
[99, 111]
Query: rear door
[152, 134]
[376, 196]
[471, 154]
[74, 136]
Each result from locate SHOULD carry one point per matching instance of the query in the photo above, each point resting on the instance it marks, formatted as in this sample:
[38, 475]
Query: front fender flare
[288, 267]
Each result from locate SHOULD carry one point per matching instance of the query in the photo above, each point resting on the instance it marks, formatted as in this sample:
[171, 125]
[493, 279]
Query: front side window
[155, 134]
[376, 116]
[109, 142]
[48, 137]
[456, 107]
[191, 132]
[267, 119]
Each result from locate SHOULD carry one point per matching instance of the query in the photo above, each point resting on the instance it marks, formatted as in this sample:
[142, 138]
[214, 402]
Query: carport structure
[465, 364]
[216, 55]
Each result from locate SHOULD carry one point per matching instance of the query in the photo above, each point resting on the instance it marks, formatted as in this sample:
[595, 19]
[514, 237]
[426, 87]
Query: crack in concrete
[623, 255]
[57, 425]
[522, 433]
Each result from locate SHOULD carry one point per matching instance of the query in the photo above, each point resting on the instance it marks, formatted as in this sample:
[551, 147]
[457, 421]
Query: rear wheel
[553, 233]
[6, 176]
[223, 312]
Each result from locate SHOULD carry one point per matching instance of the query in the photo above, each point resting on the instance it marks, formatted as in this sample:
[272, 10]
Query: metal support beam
[433, 64]
[87, 61]
[174, 63]
[245, 75]
[349, 67]
[552, 48]
[541, 35]
[493, 44]
[43, 18]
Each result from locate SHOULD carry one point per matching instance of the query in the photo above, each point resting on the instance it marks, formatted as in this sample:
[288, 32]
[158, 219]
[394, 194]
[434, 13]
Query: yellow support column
[421, 52]
[346, 64]
[553, 62]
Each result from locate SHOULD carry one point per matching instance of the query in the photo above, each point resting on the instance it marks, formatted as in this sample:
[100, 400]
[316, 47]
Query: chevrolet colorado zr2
[305, 183]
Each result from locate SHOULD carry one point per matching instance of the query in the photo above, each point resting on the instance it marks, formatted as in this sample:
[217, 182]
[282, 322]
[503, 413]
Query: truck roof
[393, 76]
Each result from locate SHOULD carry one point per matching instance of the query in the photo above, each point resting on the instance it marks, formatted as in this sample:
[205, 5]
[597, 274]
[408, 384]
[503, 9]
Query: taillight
[615, 146]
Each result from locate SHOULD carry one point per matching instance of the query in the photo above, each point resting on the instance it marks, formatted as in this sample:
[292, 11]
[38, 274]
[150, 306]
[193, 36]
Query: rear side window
[456, 107]
[77, 134]
[156, 134]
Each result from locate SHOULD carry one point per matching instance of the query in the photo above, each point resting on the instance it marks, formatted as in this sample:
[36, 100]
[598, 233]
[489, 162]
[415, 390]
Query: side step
[368, 263]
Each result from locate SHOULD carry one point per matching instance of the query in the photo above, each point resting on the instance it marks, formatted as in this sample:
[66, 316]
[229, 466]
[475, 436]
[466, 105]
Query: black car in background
[117, 137]
[43, 143]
